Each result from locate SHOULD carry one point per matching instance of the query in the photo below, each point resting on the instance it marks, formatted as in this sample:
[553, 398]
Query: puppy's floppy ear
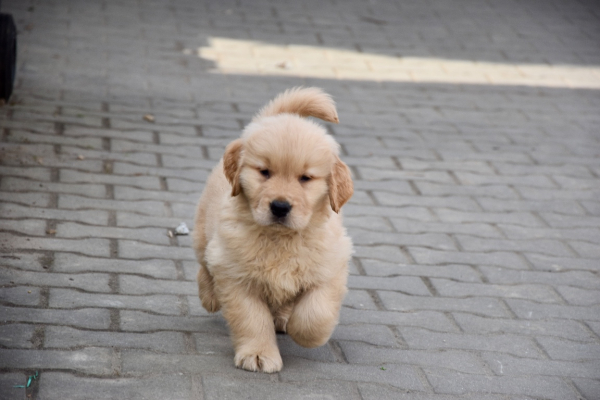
[340, 183]
[232, 165]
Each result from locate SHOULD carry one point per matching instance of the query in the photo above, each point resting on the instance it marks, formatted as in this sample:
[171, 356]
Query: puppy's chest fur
[279, 265]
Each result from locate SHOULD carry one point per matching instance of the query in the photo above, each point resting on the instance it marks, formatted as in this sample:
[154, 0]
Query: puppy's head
[287, 167]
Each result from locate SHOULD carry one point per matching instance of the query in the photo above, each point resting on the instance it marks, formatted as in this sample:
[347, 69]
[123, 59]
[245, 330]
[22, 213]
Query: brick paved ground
[472, 132]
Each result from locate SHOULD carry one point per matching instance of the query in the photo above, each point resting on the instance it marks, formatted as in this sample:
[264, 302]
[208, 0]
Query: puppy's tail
[305, 102]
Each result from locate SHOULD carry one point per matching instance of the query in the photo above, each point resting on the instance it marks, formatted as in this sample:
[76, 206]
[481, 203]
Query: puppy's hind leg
[206, 289]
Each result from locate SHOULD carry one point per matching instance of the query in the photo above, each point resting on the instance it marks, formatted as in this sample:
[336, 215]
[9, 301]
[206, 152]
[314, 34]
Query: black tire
[8, 55]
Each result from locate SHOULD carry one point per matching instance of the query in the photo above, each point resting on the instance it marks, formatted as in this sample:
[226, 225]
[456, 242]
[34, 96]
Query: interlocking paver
[471, 131]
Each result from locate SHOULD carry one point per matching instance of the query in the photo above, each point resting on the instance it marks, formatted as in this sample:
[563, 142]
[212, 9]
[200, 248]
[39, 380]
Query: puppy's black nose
[280, 208]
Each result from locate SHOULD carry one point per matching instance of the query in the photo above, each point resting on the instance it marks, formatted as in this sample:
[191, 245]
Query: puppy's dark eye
[305, 178]
[265, 173]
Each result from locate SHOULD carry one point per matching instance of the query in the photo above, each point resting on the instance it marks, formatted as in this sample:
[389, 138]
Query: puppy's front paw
[259, 362]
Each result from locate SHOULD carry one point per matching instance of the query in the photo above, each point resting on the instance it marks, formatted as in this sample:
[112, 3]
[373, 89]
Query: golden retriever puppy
[268, 235]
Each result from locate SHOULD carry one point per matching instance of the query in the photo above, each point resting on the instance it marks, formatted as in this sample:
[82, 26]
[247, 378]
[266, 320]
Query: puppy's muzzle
[280, 209]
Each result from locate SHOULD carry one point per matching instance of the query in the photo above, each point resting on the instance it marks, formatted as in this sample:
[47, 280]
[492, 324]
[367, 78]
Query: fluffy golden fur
[268, 235]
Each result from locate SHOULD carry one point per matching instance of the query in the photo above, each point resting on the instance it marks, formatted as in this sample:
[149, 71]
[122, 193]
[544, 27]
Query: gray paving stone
[210, 343]
[149, 235]
[594, 326]
[370, 391]
[471, 166]
[500, 258]
[525, 169]
[129, 284]
[592, 207]
[139, 363]
[35, 227]
[408, 284]
[425, 319]
[378, 335]
[28, 199]
[177, 185]
[543, 246]
[129, 193]
[17, 336]
[133, 220]
[34, 173]
[532, 310]
[549, 263]
[417, 338]
[360, 197]
[160, 304]
[552, 327]
[476, 305]
[476, 229]
[563, 349]
[99, 217]
[297, 369]
[8, 381]
[520, 232]
[137, 250]
[222, 387]
[384, 253]
[84, 318]
[581, 279]
[91, 282]
[570, 221]
[359, 299]
[60, 385]
[569, 207]
[192, 175]
[369, 238]
[532, 193]
[504, 364]
[69, 338]
[452, 202]
[468, 178]
[580, 297]
[491, 190]
[415, 213]
[588, 387]
[137, 321]
[72, 263]
[448, 288]
[456, 272]
[115, 154]
[95, 361]
[20, 295]
[89, 246]
[73, 202]
[402, 187]
[375, 224]
[515, 218]
[554, 388]
[17, 185]
[585, 249]
[462, 361]
[25, 261]
[568, 182]
[144, 182]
